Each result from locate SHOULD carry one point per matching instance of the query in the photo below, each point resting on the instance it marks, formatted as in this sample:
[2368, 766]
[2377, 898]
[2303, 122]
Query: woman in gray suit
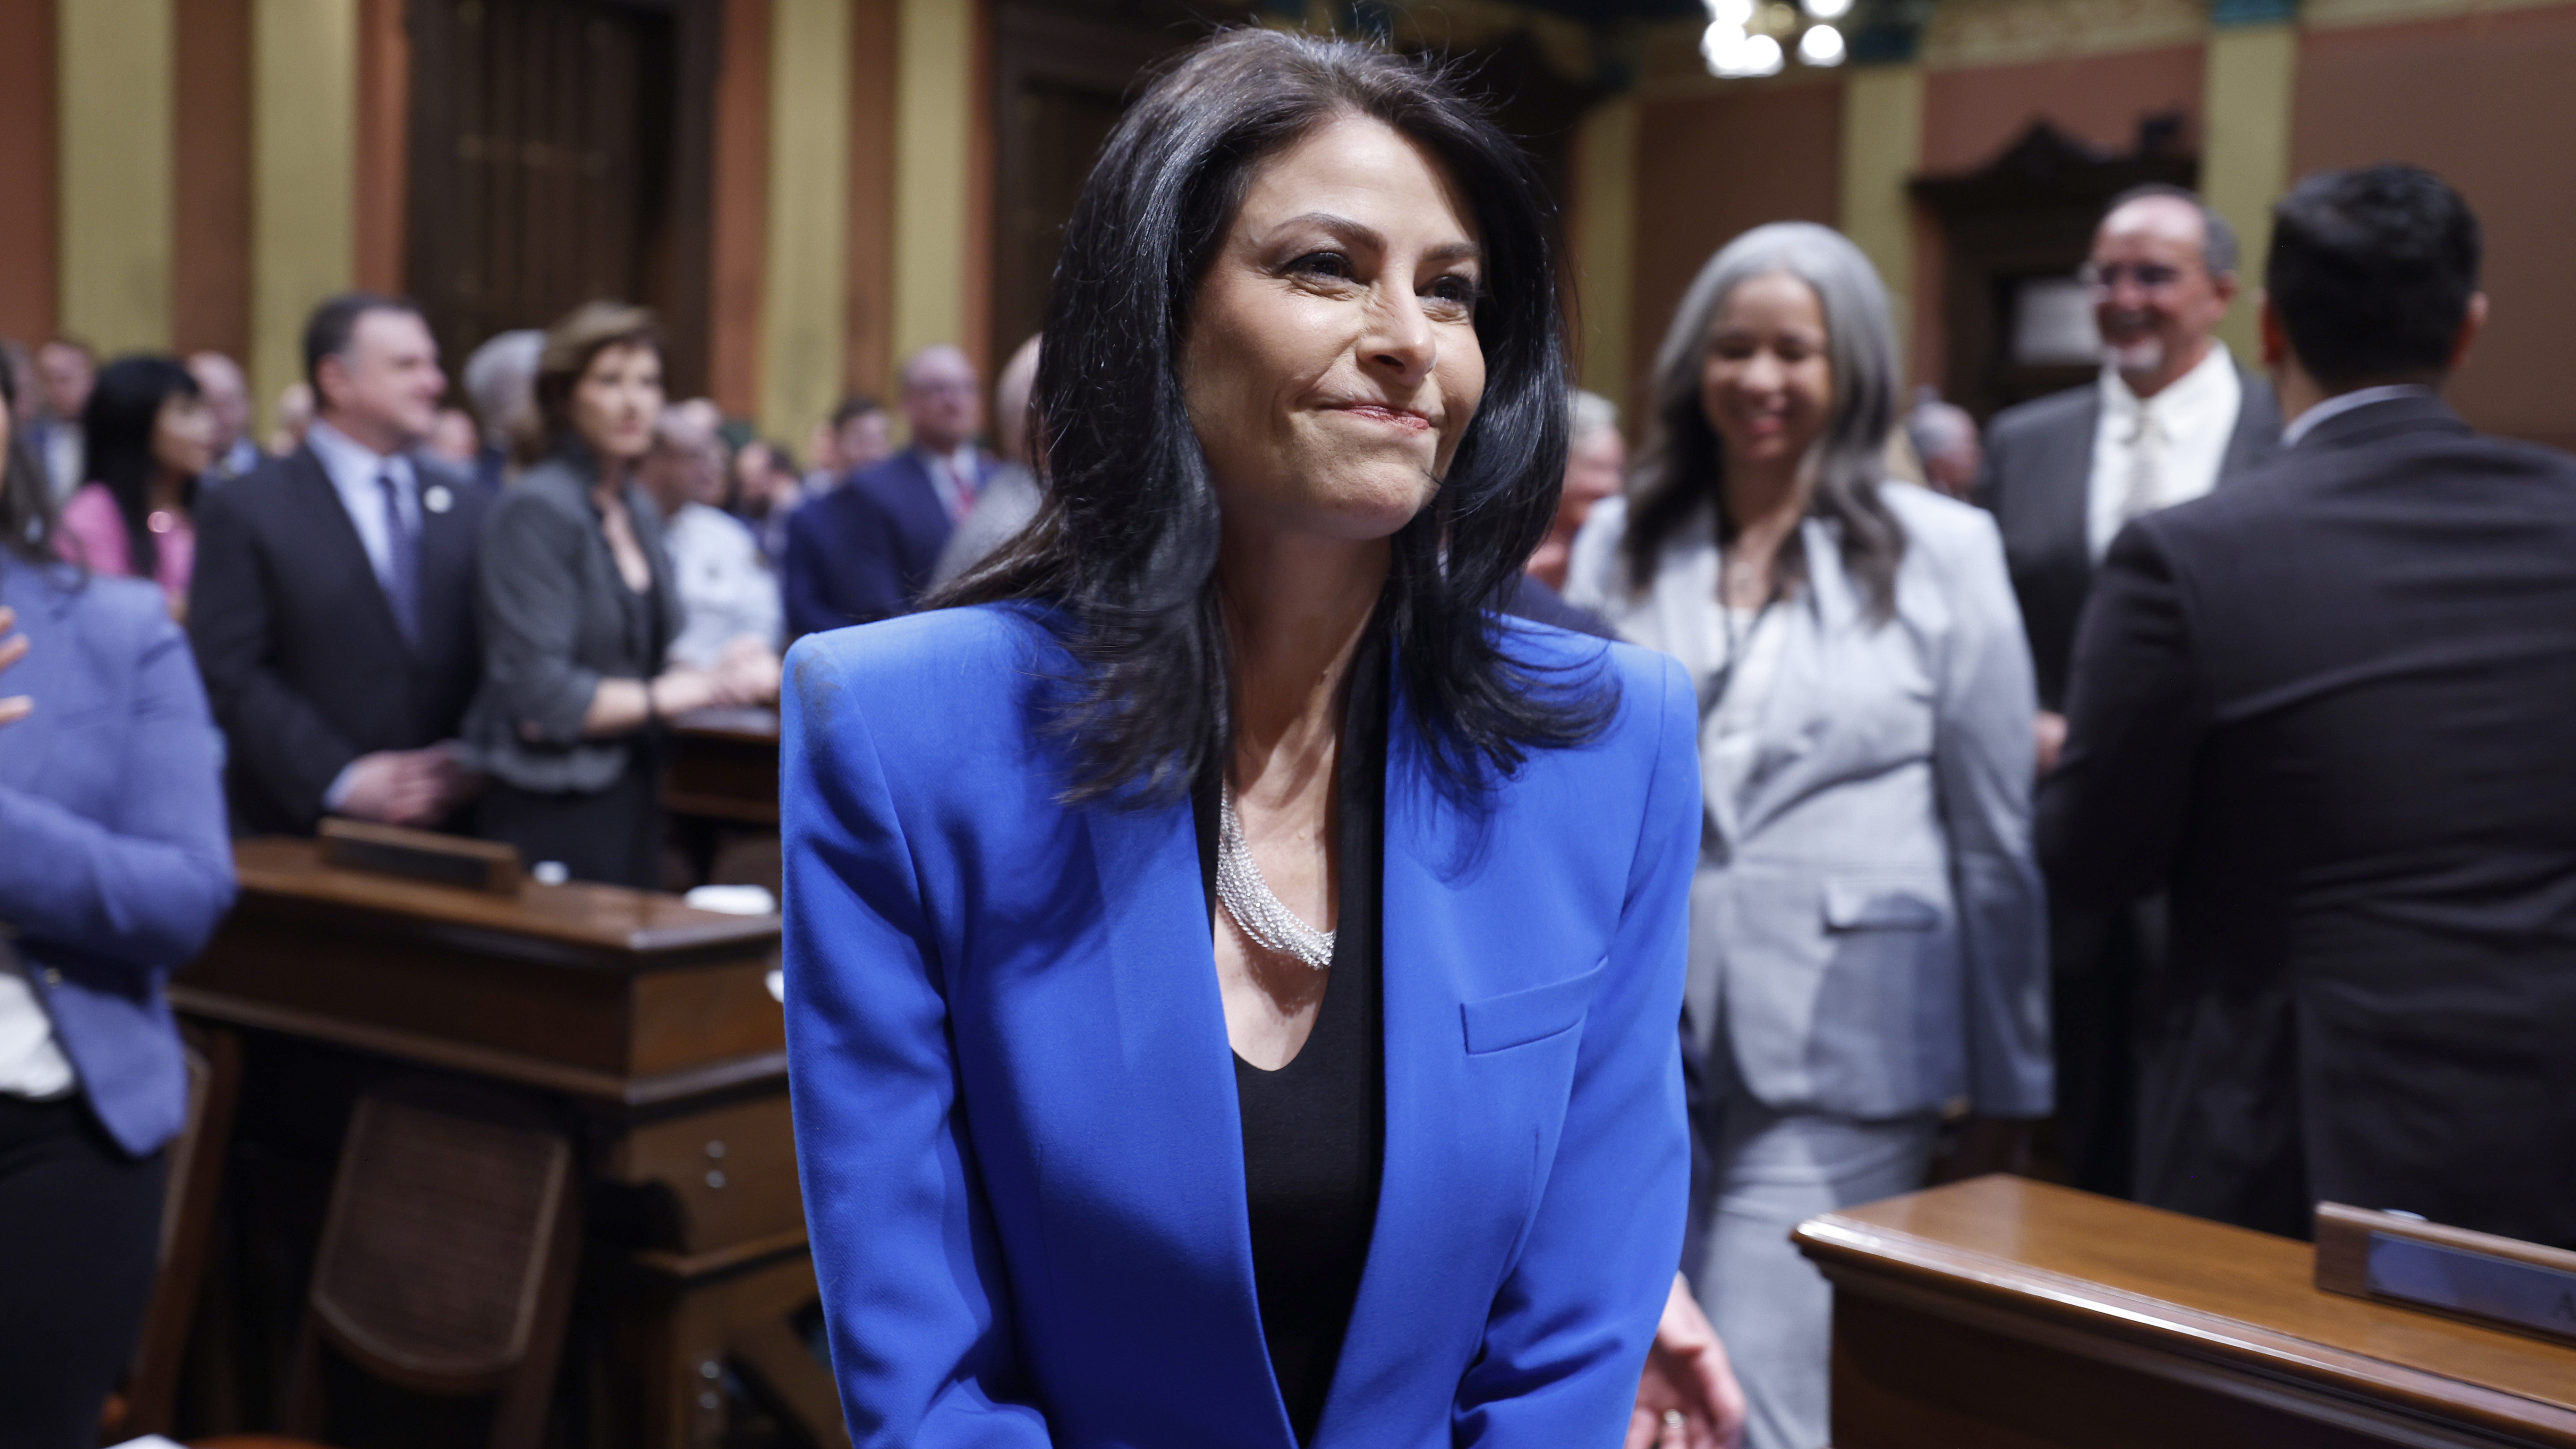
[1867, 938]
[578, 609]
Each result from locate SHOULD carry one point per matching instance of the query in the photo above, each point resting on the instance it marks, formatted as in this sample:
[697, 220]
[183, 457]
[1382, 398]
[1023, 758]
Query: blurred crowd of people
[2191, 777]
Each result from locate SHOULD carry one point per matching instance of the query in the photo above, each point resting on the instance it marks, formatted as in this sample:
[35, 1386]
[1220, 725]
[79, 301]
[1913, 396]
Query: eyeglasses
[2146, 276]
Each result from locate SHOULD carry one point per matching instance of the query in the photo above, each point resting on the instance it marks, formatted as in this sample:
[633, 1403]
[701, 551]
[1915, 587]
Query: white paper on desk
[732, 900]
[151, 1441]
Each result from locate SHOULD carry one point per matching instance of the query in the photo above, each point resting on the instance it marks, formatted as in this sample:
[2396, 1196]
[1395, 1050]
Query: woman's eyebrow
[1362, 234]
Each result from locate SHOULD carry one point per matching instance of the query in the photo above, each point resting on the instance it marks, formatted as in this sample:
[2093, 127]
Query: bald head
[2162, 273]
[943, 399]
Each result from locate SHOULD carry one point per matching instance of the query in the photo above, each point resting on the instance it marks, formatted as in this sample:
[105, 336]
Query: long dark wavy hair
[116, 436]
[1683, 462]
[26, 501]
[1125, 546]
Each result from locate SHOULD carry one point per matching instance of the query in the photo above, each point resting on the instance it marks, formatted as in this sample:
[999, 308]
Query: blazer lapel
[2068, 505]
[1147, 1055]
[2257, 435]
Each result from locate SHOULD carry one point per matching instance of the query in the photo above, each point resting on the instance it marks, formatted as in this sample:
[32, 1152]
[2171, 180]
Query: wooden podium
[2010, 1314]
[649, 1029]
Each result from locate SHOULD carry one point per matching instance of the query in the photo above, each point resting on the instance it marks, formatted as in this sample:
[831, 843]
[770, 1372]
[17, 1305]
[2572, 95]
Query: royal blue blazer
[114, 864]
[1014, 1096]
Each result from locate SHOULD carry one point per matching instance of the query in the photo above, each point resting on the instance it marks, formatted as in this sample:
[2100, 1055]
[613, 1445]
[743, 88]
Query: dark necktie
[402, 560]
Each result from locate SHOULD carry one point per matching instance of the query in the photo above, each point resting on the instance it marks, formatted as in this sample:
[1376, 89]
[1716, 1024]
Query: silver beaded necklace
[1249, 900]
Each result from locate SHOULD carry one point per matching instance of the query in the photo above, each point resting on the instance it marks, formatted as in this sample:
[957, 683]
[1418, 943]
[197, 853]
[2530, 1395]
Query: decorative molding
[2015, 32]
[2344, 14]
[804, 277]
[2227, 14]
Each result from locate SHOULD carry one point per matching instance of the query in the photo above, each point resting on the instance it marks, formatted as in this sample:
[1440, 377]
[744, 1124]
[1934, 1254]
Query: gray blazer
[553, 611]
[1868, 934]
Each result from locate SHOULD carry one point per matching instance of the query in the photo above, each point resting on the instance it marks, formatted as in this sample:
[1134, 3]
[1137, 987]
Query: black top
[1314, 1132]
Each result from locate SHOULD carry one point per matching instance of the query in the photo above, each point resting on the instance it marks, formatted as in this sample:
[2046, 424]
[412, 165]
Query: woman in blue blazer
[1231, 974]
[113, 870]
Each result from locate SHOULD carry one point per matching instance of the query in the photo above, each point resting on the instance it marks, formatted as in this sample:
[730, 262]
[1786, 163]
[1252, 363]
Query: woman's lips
[1378, 412]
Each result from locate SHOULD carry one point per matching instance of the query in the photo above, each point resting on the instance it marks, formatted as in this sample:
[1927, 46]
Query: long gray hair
[1683, 459]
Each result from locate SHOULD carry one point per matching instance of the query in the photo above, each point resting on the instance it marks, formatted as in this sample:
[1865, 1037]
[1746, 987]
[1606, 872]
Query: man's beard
[2142, 358]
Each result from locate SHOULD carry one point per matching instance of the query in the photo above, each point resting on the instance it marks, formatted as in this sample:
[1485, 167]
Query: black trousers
[80, 1242]
[2100, 960]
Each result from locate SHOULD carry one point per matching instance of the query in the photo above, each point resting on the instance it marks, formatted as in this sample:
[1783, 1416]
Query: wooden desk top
[749, 726]
[2100, 1265]
[593, 918]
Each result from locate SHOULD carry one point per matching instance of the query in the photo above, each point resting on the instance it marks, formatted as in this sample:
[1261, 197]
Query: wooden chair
[147, 1404]
[447, 1259]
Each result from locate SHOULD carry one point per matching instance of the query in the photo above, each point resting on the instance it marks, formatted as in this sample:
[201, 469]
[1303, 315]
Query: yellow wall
[805, 285]
[1882, 149]
[1604, 238]
[935, 94]
[304, 128]
[2245, 160]
[115, 62]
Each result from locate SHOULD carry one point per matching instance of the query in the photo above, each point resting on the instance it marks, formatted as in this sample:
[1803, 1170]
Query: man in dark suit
[866, 550]
[2328, 713]
[332, 609]
[2171, 417]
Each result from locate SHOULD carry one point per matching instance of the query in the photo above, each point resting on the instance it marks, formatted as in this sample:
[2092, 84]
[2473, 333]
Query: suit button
[53, 977]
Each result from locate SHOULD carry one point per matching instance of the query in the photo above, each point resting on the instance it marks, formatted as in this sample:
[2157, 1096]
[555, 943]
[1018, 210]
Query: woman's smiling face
[1332, 364]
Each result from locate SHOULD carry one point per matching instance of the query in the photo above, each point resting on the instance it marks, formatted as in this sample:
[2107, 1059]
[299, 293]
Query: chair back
[447, 1256]
[193, 1187]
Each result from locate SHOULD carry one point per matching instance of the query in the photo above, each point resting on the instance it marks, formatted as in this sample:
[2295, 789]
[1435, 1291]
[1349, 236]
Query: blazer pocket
[1859, 903]
[1518, 1018]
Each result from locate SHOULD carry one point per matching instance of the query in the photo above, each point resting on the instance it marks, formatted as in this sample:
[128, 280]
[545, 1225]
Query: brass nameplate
[2398, 1259]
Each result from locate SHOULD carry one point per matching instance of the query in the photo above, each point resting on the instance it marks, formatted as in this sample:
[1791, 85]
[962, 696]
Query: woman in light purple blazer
[113, 871]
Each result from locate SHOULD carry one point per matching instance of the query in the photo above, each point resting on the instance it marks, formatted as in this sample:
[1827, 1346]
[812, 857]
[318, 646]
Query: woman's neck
[163, 491]
[611, 485]
[1764, 502]
[1295, 608]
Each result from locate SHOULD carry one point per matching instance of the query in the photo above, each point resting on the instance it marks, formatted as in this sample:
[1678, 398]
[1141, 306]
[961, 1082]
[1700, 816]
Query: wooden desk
[647, 1027]
[723, 766]
[2005, 1312]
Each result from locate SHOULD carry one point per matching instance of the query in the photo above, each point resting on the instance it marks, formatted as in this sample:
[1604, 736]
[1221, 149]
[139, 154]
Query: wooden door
[559, 153]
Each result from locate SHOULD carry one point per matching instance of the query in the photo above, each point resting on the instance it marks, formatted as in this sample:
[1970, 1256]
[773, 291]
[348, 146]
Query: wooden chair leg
[520, 1421]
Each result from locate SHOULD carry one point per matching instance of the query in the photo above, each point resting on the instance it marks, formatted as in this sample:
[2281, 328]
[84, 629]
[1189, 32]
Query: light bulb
[1733, 54]
[1738, 13]
[1821, 45]
[1829, 9]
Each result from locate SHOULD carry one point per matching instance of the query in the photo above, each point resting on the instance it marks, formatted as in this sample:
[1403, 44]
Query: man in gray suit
[2172, 417]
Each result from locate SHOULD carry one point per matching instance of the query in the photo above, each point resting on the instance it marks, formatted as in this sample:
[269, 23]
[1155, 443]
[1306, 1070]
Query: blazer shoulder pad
[2040, 414]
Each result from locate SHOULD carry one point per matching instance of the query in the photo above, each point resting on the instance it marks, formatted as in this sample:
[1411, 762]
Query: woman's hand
[13, 647]
[1688, 1398]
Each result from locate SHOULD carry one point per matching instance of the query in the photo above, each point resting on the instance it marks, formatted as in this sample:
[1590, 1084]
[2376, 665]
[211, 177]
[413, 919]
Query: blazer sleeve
[904, 1249]
[2111, 814]
[276, 738]
[146, 886]
[531, 614]
[1568, 1332]
[1983, 758]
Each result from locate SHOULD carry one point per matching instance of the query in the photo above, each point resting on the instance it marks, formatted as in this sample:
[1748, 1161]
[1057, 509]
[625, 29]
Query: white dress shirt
[726, 588]
[2344, 402]
[353, 468]
[31, 1062]
[2186, 426]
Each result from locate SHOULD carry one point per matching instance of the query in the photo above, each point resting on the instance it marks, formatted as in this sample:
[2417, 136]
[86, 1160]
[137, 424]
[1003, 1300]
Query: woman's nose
[1400, 338]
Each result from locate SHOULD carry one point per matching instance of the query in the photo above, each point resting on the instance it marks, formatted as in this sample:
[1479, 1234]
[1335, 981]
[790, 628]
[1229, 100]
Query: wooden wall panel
[2484, 101]
[739, 226]
[1712, 167]
[384, 111]
[27, 188]
[210, 265]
